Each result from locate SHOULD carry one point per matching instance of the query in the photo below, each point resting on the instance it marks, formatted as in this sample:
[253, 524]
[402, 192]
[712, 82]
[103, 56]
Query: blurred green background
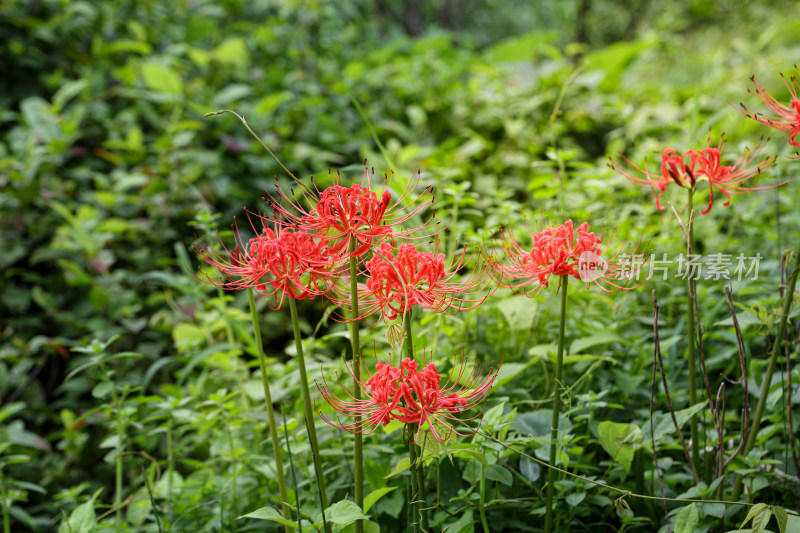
[109, 171]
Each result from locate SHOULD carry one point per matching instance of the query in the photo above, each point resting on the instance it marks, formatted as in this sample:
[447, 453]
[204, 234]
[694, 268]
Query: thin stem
[551, 474]
[415, 489]
[624, 493]
[765, 385]
[355, 343]
[416, 466]
[692, 334]
[294, 476]
[273, 431]
[307, 410]
[482, 509]
[233, 477]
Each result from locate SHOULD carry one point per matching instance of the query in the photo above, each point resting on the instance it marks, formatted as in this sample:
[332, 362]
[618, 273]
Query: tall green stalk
[765, 385]
[273, 431]
[309, 413]
[355, 344]
[692, 339]
[415, 452]
[551, 473]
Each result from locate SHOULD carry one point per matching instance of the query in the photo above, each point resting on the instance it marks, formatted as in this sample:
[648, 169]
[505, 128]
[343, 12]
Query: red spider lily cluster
[355, 213]
[304, 251]
[400, 276]
[782, 117]
[411, 396]
[564, 251]
[277, 263]
[694, 167]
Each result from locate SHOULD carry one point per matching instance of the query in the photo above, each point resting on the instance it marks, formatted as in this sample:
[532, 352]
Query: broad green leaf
[529, 469]
[500, 474]
[374, 496]
[761, 520]
[81, 519]
[754, 510]
[519, 311]
[402, 465]
[102, 389]
[343, 512]
[187, 336]
[618, 440]
[575, 498]
[687, 519]
[604, 337]
[271, 514]
[782, 517]
[161, 78]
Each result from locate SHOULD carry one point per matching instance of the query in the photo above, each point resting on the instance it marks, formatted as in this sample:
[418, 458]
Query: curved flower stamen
[276, 262]
[411, 395]
[565, 251]
[354, 212]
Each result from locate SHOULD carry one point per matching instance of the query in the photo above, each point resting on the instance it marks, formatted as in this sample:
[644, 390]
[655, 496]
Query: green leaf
[754, 510]
[10, 409]
[343, 512]
[187, 336]
[687, 519]
[373, 497]
[519, 311]
[81, 520]
[618, 440]
[575, 498]
[271, 514]
[102, 389]
[162, 79]
[529, 469]
[500, 474]
[605, 337]
[761, 520]
[402, 465]
[782, 517]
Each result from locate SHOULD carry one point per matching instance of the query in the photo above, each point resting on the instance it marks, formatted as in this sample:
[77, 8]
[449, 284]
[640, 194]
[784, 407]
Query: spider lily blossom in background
[277, 262]
[564, 251]
[782, 117]
[402, 276]
[411, 395]
[356, 212]
[705, 165]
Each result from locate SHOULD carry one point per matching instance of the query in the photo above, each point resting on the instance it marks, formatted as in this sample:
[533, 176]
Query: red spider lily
[673, 170]
[403, 276]
[411, 396]
[356, 212]
[784, 118]
[703, 165]
[276, 262]
[565, 251]
[728, 179]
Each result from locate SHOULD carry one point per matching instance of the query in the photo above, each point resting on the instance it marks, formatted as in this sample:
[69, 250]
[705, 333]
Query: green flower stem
[415, 492]
[117, 402]
[765, 385]
[309, 413]
[414, 450]
[484, 522]
[690, 295]
[355, 343]
[273, 431]
[551, 473]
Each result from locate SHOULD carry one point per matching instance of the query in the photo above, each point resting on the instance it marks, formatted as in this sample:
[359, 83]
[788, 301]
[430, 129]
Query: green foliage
[113, 355]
